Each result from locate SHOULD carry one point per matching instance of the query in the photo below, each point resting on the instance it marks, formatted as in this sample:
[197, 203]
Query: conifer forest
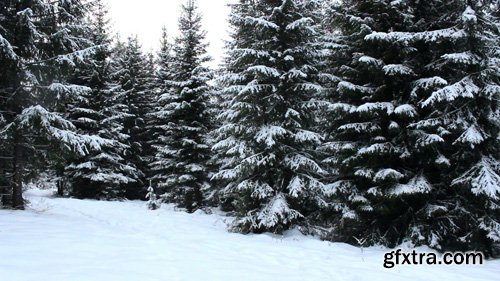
[374, 123]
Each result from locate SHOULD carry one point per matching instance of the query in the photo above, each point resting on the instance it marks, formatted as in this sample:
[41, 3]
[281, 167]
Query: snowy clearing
[67, 239]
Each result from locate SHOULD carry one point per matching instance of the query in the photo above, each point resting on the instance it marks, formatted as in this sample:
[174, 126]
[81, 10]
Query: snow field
[75, 240]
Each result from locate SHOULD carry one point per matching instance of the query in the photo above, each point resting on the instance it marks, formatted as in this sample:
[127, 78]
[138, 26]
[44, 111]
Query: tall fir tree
[133, 74]
[374, 185]
[105, 173]
[271, 173]
[164, 60]
[414, 106]
[457, 93]
[183, 115]
[242, 37]
[41, 43]
[164, 73]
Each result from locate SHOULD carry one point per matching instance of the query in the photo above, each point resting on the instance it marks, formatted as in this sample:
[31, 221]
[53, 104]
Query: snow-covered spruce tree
[452, 142]
[104, 173]
[457, 94]
[153, 203]
[184, 153]
[133, 75]
[40, 44]
[165, 60]
[377, 180]
[242, 37]
[271, 173]
[157, 125]
[150, 131]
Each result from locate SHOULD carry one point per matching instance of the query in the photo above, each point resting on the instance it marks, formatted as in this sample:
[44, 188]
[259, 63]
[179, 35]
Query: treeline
[366, 122]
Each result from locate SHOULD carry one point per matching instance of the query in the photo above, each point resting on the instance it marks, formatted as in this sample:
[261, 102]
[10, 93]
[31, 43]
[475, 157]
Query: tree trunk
[17, 190]
[60, 182]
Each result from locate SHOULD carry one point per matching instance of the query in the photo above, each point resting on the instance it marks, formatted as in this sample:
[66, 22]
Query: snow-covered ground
[71, 240]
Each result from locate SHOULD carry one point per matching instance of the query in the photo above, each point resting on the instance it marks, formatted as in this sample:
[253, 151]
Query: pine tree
[163, 74]
[376, 182]
[271, 173]
[134, 93]
[152, 200]
[165, 60]
[104, 173]
[41, 43]
[183, 115]
[457, 94]
[414, 106]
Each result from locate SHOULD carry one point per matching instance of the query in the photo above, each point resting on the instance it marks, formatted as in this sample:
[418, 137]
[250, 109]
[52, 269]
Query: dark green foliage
[41, 44]
[134, 95]
[413, 130]
[181, 155]
[270, 171]
[105, 173]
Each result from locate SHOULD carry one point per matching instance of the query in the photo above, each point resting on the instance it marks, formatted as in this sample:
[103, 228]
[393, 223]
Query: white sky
[145, 19]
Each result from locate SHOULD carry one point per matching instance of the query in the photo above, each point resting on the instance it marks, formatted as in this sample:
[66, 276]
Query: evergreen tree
[242, 37]
[152, 200]
[271, 173]
[457, 94]
[413, 107]
[183, 115]
[163, 74]
[104, 173]
[374, 187]
[165, 60]
[135, 95]
[40, 43]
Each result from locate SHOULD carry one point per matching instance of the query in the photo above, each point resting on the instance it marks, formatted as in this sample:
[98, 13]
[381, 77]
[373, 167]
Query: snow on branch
[366, 127]
[297, 162]
[6, 49]
[491, 91]
[73, 90]
[492, 227]
[388, 175]
[269, 134]
[79, 56]
[483, 178]
[299, 23]
[376, 106]
[441, 34]
[469, 15]
[260, 190]
[260, 23]
[428, 84]
[464, 88]
[308, 136]
[370, 61]
[264, 70]
[54, 127]
[425, 140]
[406, 110]
[342, 186]
[342, 107]
[277, 211]
[417, 185]
[426, 36]
[473, 136]
[348, 87]
[116, 178]
[467, 58]
[397, 69]
[389, 37]
[377, 148]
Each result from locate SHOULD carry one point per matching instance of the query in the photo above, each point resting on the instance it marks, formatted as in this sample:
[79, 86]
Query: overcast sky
[145, 18]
